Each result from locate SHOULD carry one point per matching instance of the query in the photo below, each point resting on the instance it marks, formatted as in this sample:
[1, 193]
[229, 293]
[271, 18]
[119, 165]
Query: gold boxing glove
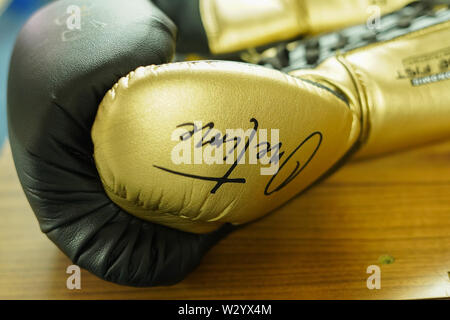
[194, 145]
[233, 25]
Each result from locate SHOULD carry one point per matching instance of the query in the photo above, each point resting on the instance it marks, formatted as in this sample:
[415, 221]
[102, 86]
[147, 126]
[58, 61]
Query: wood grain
[316, 247]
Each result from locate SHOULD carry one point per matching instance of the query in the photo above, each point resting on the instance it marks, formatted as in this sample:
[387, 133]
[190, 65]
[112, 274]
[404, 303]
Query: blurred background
[13, 15]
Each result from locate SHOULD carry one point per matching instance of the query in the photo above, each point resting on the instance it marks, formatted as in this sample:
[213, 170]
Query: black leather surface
[56, 82]
[186, 15]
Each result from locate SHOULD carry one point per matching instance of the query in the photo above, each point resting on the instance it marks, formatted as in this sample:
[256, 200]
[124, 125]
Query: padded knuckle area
[139, 129]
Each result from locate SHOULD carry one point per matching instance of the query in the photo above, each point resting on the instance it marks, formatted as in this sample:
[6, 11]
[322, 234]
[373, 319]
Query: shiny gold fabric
[380, 98]
[402, 87]
[134, 129]
[233, 25]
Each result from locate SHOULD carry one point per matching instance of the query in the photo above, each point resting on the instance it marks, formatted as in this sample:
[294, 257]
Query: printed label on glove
[427, 68]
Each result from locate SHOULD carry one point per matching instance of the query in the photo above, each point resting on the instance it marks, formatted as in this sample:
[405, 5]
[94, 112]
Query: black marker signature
[226, 177]
[298, 169]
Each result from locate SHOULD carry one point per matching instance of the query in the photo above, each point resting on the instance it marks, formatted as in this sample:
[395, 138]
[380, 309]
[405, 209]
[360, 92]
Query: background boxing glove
[224, 26]
[168, 166]
[59, 72]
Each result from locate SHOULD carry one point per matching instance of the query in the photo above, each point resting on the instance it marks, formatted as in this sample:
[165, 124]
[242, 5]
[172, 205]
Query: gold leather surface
[396, 96]
[388, 82]
[233, 25]
[133, 131]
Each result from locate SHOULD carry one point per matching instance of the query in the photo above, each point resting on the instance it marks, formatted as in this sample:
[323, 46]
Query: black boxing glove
[59, 73]
[191, 37]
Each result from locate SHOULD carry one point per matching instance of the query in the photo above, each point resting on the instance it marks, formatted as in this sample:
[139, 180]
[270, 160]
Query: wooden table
[316, 247]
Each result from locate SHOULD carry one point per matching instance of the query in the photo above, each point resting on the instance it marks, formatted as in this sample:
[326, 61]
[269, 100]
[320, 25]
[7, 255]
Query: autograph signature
[315, 139]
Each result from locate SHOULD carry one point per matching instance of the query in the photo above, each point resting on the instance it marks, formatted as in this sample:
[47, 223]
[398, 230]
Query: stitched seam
[324, 87]
[362, 92]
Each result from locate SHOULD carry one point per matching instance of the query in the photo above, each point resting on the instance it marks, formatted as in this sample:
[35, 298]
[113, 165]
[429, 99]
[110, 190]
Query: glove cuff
[396, 87]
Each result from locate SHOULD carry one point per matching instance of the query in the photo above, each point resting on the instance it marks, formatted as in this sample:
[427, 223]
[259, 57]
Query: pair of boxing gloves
[126, 159]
